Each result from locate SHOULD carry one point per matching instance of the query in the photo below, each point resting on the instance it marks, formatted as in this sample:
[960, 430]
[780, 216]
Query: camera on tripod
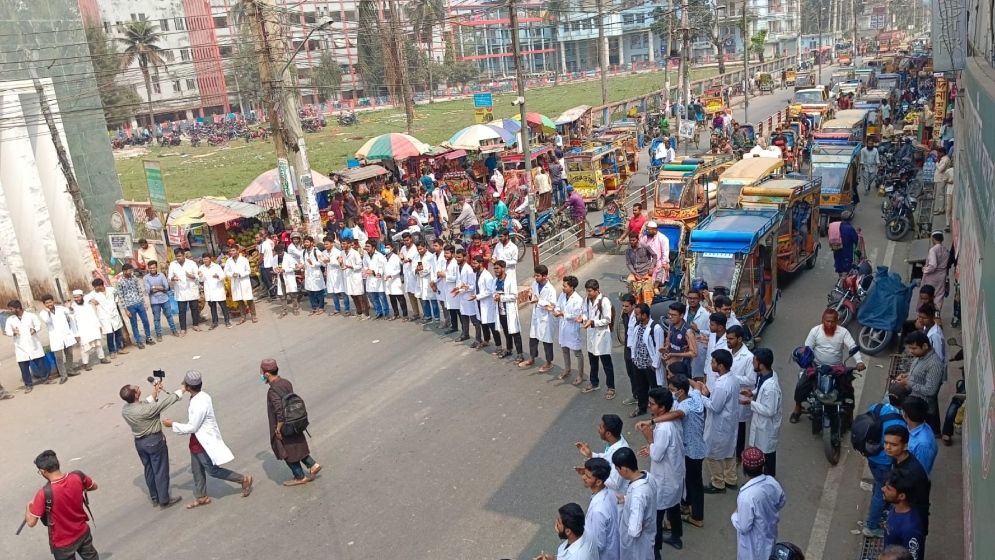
[157, 376]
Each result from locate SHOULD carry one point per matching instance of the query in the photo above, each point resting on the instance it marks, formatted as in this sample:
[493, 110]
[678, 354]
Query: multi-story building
[780, 18]
[481, 32]
[627, 34]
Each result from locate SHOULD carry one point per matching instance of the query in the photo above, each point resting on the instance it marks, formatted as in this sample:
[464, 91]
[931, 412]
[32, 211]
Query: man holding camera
[142, 417]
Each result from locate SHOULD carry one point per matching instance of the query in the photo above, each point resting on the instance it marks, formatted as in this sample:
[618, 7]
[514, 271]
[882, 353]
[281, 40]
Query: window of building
[185, 55]
[142, 17]
[225, 50]
[180, 24]
[155, 86]
[134, 17]
[309, 17]
[313, 45]
[191, 84]
[641, 18]
[628, 19]
[107, 27]
[168, 55]
[163, 25]
[220, 22]
[176, 86]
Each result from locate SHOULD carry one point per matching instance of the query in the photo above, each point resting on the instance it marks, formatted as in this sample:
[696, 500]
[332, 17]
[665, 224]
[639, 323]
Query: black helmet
[786, 551]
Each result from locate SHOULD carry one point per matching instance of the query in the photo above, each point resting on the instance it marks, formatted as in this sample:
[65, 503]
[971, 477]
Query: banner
[949, 31]
[157, 189]
[120, 246]
[687, 129]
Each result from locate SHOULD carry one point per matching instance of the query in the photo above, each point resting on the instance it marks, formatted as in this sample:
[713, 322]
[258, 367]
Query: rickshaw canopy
[733, 232]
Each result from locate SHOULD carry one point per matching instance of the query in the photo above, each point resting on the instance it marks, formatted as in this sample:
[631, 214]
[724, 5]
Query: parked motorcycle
[884, 311]
[348, 119]
[830, 404]
[850, 292]
[899, 216]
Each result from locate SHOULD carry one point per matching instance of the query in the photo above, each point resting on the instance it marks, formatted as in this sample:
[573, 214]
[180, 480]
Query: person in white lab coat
[665, 448]
[409, 260]
[24, 326]
[764, 401]
[352, 267]
[285, 276]
[212, 276]
[637, 524]
[393, 276]
[721, 418]
[239, 271]
[182, 275]
[505, 250]
[373, 270]
[598, 319]
[742, 368]
[424, 272]
[207, 449]
[465, 288]
[506, 298]
[601, 520]
[610, 432]
[332, 256]
[265, 247]
[570, 310]
[87, 326]
[111, 323]
[438, 281]
[447, 286]
[758, 509]
[543, 299]
[314, 278]
[716, 341]
[697, 320]
[577, 544]
[61, 340]
[486, 304]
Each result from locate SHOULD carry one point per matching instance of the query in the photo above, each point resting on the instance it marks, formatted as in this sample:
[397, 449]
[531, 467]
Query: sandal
[296, 481]
[947, 440]
[637, 413]
[610, 394]
[246, 486]
[563, 375]
[692, 522]
[590, 389]
[545, 368]
[198, 503]
[795, 417]
[577, 381]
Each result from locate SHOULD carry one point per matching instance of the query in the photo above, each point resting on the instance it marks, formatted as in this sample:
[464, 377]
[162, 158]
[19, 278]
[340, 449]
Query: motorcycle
[348, 119]
[850, 291]
[884, 311]
[899, 217]
[830, 404]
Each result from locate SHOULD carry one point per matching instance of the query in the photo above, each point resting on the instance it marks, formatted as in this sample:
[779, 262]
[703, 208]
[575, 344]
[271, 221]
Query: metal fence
[565, 240]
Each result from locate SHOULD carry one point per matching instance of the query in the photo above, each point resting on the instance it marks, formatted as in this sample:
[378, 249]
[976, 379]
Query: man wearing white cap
[207, 449]
[87, 326]
[660, 246]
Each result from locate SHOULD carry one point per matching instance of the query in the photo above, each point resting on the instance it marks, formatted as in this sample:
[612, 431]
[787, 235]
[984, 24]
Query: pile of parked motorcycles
[896, 182]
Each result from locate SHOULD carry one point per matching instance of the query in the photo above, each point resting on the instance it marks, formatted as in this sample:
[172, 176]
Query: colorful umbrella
[478, 135]
[392, 146]
[537, 119]
[510, 125]
[211, 210]
[267, 185]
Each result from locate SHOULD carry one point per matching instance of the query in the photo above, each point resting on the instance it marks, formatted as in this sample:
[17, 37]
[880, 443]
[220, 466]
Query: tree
[757, 43]
[664, 21]
[141, 44]
[369, 49]
[425, 16]
[120, 103]
[244, 70]
[464, 72]
[327, 76]
[703, 21]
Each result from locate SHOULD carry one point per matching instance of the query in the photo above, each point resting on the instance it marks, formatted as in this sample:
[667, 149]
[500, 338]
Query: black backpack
[867, 430]
[295, 420]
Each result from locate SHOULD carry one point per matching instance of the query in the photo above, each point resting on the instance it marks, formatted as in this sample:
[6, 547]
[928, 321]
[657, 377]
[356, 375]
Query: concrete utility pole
[798, 39]
[602, 56]
[853, 46]
[666, 58]
[516, 50]
[746, 70]
[685, 54]
[282, 106]
[402, 67]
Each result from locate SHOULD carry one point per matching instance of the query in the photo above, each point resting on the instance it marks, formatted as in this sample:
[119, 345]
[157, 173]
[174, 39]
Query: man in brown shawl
[290, 448]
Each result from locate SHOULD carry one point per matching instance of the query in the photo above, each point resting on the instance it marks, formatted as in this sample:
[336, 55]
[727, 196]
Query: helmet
[786, 551]
[803, 356]
[570, 188]
[698, 285]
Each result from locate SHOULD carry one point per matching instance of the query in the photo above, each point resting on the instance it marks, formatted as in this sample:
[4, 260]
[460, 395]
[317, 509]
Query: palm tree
[141, 43]
[425, 15]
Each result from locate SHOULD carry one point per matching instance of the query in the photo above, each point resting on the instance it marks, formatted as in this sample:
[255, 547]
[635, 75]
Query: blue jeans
[40, 367]
[426, 309]
[316, 298]
[379, 302]
[163, 308]
[436, 312]
[338, 307]
[880, 474]
[115, 341]
[135, 311]
[295, 467]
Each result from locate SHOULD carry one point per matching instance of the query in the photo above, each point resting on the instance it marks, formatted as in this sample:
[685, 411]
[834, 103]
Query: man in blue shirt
[880, 466]
[905, 527]
[922, 442]
[157, 287]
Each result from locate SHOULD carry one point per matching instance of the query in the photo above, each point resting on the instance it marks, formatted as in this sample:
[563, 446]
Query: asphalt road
[430, 449]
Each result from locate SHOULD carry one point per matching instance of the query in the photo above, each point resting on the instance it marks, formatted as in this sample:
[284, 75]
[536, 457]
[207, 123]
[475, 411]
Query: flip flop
[563, 375]
[247, 486]
[590, 389]
[296, 481]
[198, 503]
[577, 381]
[610, 394]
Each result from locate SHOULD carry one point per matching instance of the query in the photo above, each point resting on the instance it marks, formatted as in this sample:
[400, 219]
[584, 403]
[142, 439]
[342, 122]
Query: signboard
[483, 115]
[283, 170]
[157, 189]
[939, 106]
[878, 21]
[687, 129]
[120, 244]
[949, 30]
[483, 100]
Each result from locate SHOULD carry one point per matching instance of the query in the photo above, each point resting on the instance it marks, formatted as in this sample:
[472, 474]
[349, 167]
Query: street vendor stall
[266, 191]
[574, 125]
[208, 221]
[363, 181]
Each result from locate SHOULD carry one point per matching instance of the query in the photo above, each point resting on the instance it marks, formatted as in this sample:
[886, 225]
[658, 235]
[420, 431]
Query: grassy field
[191, 172]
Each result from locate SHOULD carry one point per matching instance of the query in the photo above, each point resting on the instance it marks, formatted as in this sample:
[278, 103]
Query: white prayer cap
[77, 292]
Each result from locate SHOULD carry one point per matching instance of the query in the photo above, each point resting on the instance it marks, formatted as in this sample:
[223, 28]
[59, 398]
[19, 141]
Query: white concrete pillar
[652, 46]
[621, 50]
[563, 55]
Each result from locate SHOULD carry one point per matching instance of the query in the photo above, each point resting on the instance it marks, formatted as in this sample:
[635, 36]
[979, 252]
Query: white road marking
[827, 504]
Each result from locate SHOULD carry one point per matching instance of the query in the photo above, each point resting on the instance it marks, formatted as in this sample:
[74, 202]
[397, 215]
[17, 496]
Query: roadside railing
[563, 241]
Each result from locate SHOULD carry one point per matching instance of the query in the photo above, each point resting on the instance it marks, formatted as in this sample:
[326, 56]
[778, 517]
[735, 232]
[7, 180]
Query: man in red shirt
[637, 221]
[478, 248]
[371, 224]
[68, 532]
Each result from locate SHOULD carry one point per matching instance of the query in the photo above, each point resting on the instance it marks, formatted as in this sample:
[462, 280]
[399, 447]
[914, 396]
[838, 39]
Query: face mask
[262, 378]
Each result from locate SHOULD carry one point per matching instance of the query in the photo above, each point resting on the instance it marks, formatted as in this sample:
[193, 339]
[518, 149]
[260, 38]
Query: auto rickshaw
[713, 101]
[765, 82]
[736, 249]
[597, 172]
[686, 190]
[804, 80]
[798, 201]
[834, 159]
[790, 148]
[749, 138]
[744, 173]
[813, 101]
[789, 76]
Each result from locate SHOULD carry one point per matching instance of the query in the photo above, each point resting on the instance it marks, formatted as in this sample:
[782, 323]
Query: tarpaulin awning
[211, 211]
[364, 173]
[572, 114]
[267, 186]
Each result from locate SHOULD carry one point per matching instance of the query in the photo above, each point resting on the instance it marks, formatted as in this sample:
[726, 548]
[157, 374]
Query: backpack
[866, 432]
[46, 518]
[295, 420]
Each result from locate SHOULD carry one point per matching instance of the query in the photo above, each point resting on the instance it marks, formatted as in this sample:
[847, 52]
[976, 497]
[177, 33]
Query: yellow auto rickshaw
[686, 189]
[747, 172]
[598, 171]
[798, 202]
[713, 101]
[765, 83]
[789, 76]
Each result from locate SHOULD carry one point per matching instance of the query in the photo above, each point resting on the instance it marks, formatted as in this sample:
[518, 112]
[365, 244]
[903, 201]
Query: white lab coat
[86, 322]
[601, 524]
[214, 288]
[765, 426]
[583, 548]
[508, 306]
[107, 313]
[314, 279]
[615, 482]
[742, 368]
[758, 508]
[288, 264]
[393, 276]
[700, 320]
[667, 464]
[451, 281]
[509, 254]
[334, 274]
[373, 267]
[722, 418]
[60, 328]
[352, 265]
[467, 283]
[296, 252]
[183, 278]
[637, 525]
[426, 276]
[572, 308]
[542, 318]
[715, 342]
[599, 337]
[266, 249]
[487, 306]
[202, 422]
[410, 278]
[438, 276]
[240, 272]
[26, 344]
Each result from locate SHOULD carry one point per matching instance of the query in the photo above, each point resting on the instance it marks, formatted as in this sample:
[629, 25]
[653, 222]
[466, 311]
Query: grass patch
[191, 172]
